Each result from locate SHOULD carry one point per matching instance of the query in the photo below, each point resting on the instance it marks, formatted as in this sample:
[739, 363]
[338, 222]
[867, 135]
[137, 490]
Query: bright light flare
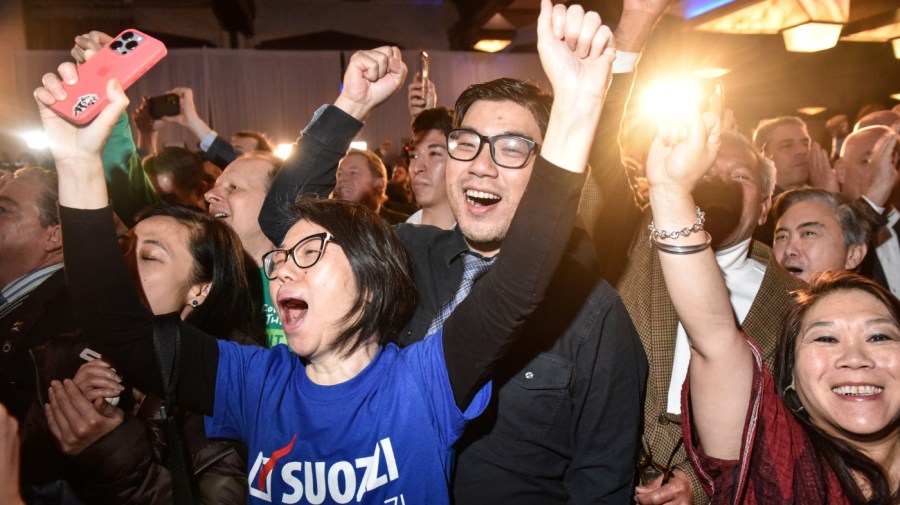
[284, 150]
[711, 72]
[36, 140]
[670, 100]
[811, 110]
[359, 144]
[491, 45]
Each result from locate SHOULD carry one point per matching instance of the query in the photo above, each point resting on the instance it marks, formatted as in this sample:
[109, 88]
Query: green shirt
[274, 331]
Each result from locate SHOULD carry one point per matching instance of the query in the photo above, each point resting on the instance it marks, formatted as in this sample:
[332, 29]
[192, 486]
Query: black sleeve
[220, 153]
[484, 326]
[310, 169]
[115, 319]
[619, 213]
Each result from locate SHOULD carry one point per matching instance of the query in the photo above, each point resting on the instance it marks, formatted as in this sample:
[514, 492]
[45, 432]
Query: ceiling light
[811, 37]
[896, 44]
[359, 144]
[811, 111]
[711, 73]
[775, 16]
[896, 96]
[491, 45]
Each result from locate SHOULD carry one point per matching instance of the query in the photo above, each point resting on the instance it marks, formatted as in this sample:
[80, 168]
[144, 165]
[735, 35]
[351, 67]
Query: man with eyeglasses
[563, 425]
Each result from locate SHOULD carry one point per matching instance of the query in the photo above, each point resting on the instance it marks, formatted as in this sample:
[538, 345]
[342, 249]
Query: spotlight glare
[670, 100]
[710, 73]
[36, 140]
[284, 150]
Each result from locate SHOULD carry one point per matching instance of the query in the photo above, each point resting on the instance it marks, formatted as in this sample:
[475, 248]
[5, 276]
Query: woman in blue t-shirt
[341, 414]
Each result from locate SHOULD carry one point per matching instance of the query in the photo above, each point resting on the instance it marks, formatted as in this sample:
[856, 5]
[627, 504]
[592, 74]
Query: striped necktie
[474, 267]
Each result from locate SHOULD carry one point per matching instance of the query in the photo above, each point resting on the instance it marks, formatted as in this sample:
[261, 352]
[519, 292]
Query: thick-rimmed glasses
[507, 151]
[305, 253]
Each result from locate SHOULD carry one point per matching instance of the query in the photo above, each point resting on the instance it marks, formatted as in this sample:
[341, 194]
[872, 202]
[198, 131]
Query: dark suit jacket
[44, 314]
[220, 153]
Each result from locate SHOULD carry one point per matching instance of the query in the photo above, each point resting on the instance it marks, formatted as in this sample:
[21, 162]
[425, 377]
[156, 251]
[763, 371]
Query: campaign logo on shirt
[311, 481]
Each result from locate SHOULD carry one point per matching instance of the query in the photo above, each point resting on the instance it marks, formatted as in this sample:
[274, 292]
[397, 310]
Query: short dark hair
[218, 259]
[262, 141]
[523, 93]
[765, 128]
[844, 459]
[439, 118]
[185, 166]
[48, 211]
[854, 224]
[386, 294]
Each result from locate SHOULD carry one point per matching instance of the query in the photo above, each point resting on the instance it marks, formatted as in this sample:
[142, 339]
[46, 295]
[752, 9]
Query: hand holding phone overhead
[126, 58]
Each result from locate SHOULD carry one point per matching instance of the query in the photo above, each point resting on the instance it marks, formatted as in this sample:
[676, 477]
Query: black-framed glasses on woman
[507, 151]
[306, 253]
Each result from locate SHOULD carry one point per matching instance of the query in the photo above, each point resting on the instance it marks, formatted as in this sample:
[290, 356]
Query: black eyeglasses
[507, 151]
[305, 253]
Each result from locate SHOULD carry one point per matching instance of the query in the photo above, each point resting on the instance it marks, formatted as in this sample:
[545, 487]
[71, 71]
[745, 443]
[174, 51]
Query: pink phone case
[130, 55]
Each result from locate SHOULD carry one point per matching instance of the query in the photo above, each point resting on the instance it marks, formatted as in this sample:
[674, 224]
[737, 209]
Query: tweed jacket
[644, 292]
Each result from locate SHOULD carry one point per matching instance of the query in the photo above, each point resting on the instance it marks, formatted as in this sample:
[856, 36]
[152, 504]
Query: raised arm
[129, 189]
[576, 51]
[721, 370]
[106, 299]
[372, 77]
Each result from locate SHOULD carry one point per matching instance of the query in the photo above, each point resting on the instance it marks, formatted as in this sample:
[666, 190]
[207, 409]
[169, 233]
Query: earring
[195, 303]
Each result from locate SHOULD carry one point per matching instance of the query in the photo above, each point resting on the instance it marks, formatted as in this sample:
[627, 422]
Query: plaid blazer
[643, 290]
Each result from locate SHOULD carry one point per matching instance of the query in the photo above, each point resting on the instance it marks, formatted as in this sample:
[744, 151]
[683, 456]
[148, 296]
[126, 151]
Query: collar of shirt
[456, 247]
[18, 289]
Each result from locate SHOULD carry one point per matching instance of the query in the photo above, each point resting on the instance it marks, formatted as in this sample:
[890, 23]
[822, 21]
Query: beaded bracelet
[684, 232]
[683, 249]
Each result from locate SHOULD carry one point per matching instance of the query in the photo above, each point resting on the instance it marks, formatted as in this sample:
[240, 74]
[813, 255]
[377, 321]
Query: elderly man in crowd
[817, 230]
[868, 170]
[34, 301]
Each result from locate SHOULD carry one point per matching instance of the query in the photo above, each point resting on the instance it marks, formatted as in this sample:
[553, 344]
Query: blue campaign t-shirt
[384, 436]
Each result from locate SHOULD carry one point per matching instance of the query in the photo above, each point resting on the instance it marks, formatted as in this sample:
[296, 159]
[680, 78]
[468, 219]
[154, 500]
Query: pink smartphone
[130, 55]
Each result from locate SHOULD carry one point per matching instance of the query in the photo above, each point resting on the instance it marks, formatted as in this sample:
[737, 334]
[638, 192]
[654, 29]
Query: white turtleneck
[743, 277]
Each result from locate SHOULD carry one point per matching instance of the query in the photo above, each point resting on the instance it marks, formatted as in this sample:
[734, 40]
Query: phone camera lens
[117, 44]
[127, 35]
[131, 44]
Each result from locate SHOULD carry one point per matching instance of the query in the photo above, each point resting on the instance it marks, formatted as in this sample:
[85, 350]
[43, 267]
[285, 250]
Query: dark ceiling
[765, 80]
